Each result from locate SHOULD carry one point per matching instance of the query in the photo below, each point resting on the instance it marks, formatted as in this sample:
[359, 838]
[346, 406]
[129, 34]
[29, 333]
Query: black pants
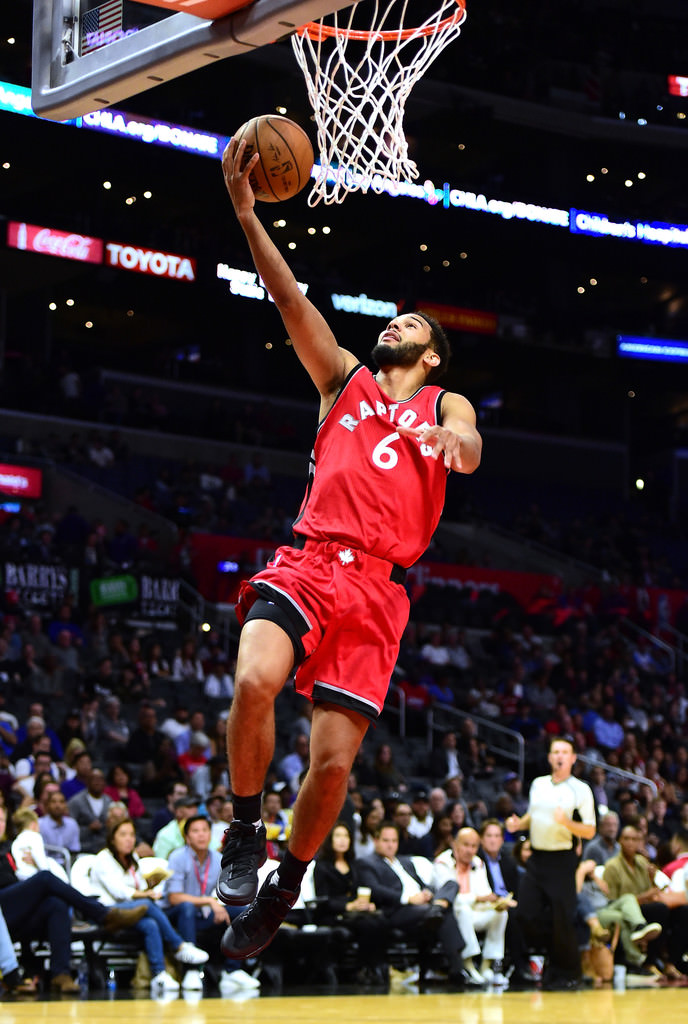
[547, 910]
[427, 923]
[39, 907]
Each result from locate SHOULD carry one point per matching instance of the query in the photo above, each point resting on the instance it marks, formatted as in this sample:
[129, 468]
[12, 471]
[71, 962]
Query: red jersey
[368, 486]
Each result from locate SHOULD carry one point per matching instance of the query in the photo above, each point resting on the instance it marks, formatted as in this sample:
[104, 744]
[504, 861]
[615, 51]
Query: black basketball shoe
[242, 854]
[253, 930]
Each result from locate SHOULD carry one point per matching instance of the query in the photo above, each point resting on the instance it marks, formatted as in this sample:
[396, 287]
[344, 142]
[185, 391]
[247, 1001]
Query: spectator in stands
[410, 904]
[34, 635]
[83, 766]
[409, 845]
[421, 819]
[604, 845]
[435, 651]
[386, 777]
[277, 823]
[64, 621]
[513, 789]
[209, 776]
[28, 849]
[504, 878]
[157, 664]
[43, 765]
[67, 655]
[336, 886]
[145, 741]
[170, 837]
[196, 756]
[34, 679]
[219, 810]
[602, 915]
[35, 726]
[113, 729]
[186, 665]
[89, 807]
[196, 723]
[192, 907]
[630, 872]
[679, 851]
[476, 906]
[119, 788]
[607, 731]
[440, 837]
[117, 879]
[174, 791]
[45, 785]
[58, 827]
[444, 761]
[292, 765]
[122, 546]
[364, 838]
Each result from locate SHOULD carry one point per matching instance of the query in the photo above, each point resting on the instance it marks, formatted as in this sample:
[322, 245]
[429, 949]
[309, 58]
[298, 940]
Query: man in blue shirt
[192, 905]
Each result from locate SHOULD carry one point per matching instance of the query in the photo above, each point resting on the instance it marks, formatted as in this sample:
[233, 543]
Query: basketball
[286, 156]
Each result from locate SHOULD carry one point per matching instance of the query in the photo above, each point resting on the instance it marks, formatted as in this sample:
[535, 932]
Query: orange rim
[316, 32]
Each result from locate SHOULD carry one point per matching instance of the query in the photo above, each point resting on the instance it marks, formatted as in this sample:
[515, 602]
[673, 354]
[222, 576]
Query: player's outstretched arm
[314, 343]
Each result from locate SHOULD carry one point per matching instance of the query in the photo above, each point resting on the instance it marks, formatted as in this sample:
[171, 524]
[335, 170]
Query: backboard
[89, 54]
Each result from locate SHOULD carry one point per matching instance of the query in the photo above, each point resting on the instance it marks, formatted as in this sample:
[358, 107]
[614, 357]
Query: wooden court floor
[663, 1006]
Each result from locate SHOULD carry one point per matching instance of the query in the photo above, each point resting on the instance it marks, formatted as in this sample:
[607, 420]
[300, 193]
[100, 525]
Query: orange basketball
[286, 156]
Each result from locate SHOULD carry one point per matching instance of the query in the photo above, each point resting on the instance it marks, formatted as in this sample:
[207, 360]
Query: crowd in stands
[112, 741]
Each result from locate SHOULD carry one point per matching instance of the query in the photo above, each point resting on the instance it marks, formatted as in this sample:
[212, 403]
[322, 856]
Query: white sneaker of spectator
[238, 979]
[164, 982]
[192, 981]
[190, 954]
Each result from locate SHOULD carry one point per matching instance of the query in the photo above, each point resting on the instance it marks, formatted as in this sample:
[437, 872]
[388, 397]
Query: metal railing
[442, 716]
[622, 773]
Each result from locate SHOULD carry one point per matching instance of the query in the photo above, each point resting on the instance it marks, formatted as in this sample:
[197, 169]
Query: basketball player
[333, 603]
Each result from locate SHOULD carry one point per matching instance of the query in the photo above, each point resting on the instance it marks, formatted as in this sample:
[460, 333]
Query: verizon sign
[150, 261]
[20, 480]
[68, 245]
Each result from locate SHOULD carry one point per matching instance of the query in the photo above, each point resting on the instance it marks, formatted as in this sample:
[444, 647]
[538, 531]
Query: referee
[561, 809]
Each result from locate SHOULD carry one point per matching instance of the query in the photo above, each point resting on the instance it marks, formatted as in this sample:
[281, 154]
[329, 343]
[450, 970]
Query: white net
[359, 71]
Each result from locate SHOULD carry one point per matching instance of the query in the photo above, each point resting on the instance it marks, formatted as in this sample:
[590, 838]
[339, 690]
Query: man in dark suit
[408, 902]
[89, 809]
[503, 876]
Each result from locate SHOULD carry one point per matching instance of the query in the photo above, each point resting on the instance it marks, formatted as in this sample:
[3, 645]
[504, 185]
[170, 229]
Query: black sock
[247, 808]
[291, 871]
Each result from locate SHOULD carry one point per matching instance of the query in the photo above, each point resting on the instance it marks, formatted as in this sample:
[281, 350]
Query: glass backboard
[89, 54]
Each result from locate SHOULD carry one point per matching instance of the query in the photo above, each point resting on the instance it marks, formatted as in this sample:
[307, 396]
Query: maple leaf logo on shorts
[346, 556]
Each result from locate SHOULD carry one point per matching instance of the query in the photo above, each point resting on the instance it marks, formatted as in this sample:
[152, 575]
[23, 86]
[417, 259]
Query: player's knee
[333, 768]
[255, 685]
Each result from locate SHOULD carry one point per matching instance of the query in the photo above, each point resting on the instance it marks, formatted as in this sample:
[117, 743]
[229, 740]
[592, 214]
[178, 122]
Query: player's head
[410, 338]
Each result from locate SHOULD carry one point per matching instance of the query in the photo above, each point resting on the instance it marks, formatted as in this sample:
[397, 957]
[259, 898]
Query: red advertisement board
[67, 244]
[21, 480]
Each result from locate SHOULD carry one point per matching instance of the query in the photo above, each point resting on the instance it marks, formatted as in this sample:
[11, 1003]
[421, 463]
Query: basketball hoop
[358, 81]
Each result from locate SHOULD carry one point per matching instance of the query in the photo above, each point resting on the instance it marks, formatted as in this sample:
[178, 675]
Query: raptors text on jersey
[369, 486]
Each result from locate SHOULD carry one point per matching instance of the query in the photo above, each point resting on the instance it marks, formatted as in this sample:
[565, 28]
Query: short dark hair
[486, 824]
[377, 831]
[439, 342]
[562, 739]
[189, 821]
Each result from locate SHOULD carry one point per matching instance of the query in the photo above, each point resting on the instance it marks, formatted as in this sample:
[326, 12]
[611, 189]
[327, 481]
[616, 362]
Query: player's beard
[406, 353]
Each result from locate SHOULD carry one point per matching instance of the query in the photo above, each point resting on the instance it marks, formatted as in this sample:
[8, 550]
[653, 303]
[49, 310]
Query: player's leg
[336, 734]
[265, 659]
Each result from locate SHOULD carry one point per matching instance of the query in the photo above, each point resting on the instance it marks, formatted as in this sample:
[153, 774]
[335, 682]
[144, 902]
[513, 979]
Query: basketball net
[358, 80]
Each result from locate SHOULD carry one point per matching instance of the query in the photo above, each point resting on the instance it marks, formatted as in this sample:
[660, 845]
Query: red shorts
[350, 617]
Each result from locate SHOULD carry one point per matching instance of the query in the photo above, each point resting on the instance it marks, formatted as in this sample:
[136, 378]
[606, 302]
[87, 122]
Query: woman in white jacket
[116, 879]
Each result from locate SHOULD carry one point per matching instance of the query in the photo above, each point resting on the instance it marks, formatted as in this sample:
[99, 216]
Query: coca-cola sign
[67, 244]
[150, 261]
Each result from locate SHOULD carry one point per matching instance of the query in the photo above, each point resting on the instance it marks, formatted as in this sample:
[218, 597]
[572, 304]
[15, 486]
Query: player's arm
[326, 363]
